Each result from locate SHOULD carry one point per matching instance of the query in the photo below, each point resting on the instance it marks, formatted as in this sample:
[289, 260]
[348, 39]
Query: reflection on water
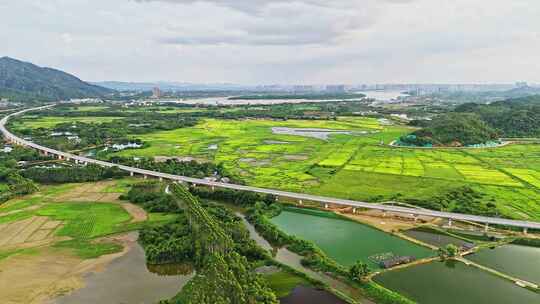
[302, 294]
[171, 269]
[293, 260]
[456, 282]
[132, 281]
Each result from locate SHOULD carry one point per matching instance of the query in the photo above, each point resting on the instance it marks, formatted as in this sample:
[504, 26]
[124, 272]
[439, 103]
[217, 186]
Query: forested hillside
[518, 117]
[473, 123]
[22, 81]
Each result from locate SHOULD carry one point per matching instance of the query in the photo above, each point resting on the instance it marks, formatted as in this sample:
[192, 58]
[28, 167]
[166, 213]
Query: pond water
[343, 240]
[522, 262]
[433, 238]
[323, 134]
[454, 282]
[293, 260]
[302, 294]
[132, 281]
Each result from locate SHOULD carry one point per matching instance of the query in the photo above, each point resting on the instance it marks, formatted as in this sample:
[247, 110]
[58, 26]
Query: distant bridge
[300, 197]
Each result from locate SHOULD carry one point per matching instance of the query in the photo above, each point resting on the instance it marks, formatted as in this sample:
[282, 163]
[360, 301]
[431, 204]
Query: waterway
[454, 282]
[518, 261]
[128, 280]
[343, 240]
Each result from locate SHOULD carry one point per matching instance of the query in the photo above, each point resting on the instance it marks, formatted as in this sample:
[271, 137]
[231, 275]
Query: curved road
[298, 196]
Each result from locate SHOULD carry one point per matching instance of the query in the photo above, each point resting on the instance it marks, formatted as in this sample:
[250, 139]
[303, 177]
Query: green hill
[23, 81]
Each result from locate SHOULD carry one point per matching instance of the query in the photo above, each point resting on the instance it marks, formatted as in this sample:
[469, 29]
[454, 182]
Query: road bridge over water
[300, 197]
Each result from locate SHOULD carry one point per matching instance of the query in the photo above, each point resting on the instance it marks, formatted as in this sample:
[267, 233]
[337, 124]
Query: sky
[278, 41]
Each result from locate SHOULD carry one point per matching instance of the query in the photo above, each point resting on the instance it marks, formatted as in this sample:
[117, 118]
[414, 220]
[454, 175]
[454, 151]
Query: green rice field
[353, 166]
[50, 122]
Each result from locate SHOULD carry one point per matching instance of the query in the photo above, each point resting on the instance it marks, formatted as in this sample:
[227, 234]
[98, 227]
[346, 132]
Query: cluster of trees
[12, 181]
[359, 271]
[96, 134]
[511, 118]
[152, 197]
[76, 174]
[210, 237]
[460, 200]
[450, 251]
[173, 166]
[452, 129]
[168, 243]
[240, 198]
[473, 123]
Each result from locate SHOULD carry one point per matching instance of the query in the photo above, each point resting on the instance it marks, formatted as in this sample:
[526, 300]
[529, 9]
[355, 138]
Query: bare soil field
[39, 278]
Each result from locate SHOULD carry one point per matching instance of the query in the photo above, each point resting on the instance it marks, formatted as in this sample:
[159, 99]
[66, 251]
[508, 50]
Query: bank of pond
[346, 241]
[519, 261]
[454, 282]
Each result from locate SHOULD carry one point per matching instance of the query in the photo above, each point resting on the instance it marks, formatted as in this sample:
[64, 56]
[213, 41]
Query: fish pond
[344, 240]
[434, 237]
[519, 261]
[454, 282]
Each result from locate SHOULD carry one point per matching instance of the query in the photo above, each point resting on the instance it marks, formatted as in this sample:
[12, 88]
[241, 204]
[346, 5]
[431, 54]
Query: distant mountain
[23, 81]
[170, 86]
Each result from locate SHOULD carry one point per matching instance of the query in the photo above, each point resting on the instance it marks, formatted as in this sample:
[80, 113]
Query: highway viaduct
[300, 197]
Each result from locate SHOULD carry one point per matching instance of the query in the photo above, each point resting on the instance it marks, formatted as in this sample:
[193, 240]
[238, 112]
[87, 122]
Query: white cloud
[256, 41]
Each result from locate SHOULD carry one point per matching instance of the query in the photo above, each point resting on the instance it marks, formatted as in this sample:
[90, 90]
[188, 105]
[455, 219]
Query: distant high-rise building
[156, 93]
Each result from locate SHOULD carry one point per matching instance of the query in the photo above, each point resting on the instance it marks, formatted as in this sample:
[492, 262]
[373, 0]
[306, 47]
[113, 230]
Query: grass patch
[283, 283]
[52, 121]
[86, 220]
[89, 250]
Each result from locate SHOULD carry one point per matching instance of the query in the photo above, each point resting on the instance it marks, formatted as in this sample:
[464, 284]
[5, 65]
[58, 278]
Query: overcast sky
[278, 41]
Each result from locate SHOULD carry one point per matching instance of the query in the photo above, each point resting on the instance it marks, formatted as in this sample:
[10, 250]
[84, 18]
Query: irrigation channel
[133, 281]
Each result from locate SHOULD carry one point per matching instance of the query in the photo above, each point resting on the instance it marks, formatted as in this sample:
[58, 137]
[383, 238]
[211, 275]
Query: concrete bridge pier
[525, 230]
[161, 179]
[131, 173]
[449, 222]
[486, 227]
[300, 202]
[145, 176]
[353, 210]
[325, 206]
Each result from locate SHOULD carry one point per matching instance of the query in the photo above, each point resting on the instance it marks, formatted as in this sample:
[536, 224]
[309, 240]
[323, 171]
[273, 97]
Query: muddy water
[128, 280]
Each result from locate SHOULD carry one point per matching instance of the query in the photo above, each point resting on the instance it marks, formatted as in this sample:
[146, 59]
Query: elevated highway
[300, 197]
